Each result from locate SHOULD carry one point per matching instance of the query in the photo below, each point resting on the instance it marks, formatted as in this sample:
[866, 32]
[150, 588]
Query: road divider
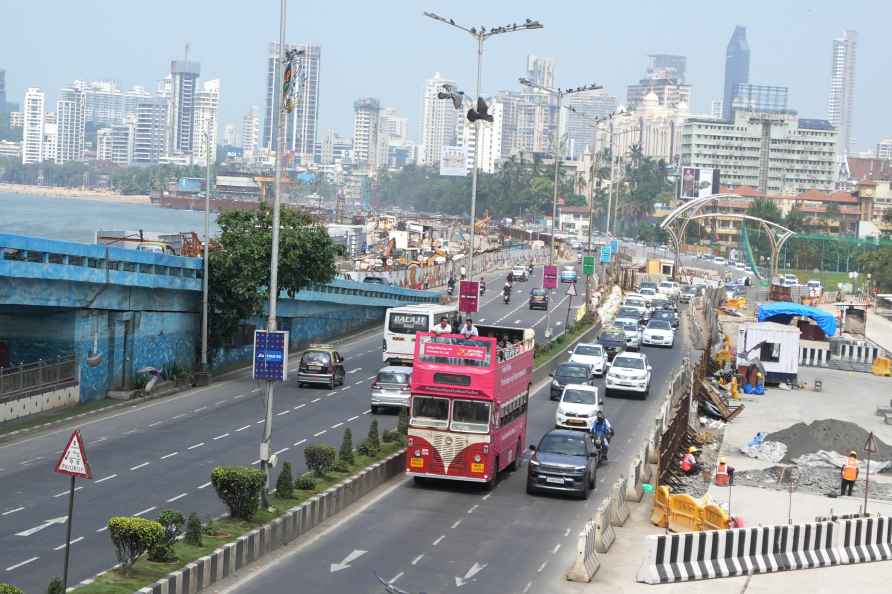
[619, 512]
[604, 533]
[587, 561]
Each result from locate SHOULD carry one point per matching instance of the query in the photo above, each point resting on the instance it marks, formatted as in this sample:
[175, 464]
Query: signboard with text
[270, 356]
[455, 351]
[73, 461]
[454, 161]
[468, 296]
[605, 254]
[549, 277]
[588, 265]
[614, 246]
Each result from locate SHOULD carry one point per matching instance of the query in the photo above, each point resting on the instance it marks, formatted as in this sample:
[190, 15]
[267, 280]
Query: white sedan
[591, 354]
[578, 407]
[658, 333]
[629, 372]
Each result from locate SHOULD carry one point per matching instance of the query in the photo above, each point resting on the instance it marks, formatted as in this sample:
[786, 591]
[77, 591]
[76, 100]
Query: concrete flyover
[119, 310]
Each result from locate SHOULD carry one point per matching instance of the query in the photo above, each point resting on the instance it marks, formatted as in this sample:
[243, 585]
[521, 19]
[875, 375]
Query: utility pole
[204, 375]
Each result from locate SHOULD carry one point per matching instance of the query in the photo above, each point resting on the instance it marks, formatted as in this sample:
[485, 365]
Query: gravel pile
[825, 434]
[820, 481]
[771, 451]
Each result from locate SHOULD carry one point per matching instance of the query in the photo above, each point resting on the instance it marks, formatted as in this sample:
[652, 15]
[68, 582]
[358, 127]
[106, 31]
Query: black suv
[614, 342]
[569, 373]
[565, 461]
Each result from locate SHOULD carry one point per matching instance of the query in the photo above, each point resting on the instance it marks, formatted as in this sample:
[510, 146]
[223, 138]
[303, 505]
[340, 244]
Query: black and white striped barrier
[619, 511]
[604, 532]
[866, 539]
[587, 561]
[738, 551]
[814, 356]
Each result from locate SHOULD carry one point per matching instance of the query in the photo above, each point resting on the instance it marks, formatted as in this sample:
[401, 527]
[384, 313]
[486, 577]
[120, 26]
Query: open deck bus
[468, 404]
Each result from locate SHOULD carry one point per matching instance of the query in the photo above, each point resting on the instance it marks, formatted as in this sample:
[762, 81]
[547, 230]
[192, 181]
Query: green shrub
[320, 458]
[285, 482]
[402, 425]
[172, 521]
[133, 536]
[239, 488]
[193, 530]
[305, 483]
[345, 455]
[9, 589]
[373, 439]
[391, 436]
[55, 587]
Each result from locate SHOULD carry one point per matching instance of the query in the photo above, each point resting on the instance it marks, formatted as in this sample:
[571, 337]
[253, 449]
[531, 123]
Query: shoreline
[73, 194]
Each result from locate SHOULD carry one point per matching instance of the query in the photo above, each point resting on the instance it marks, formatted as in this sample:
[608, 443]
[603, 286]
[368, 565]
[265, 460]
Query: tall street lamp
[480, 35]
[203, 376]
[559, 95]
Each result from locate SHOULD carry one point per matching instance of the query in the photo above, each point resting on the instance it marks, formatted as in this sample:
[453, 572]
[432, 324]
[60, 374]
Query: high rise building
[540, 70]
[668, 66]
[394, 127]
[150, 130]
[50, 141]
[3, 107]
[122, 138]
[181, 112]
[884, 149]
[250, 131]
[104, 144]
[231, 136]
[665, 78]
[131, 98]
[438, 124]
[333, 148]
[654, 128]
[302, 123]
[204, 141]
[490, 140]
[576, 123]
[842, 87]
[715, 108]
[761, 98]
[366, 118]
[70, 118]
[103, 101]
[34, 114]
[737, 68]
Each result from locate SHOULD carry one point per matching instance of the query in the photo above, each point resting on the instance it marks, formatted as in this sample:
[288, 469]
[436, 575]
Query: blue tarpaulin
[783, 312]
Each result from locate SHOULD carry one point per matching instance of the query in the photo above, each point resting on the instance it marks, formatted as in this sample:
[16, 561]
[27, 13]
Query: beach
[73, 194]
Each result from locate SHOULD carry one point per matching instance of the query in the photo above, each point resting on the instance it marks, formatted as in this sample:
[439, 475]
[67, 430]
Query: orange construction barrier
[685, 514]
[715, 518]
[660, 514]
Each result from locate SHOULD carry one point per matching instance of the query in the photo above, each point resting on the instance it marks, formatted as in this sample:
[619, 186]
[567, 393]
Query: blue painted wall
[34, 335]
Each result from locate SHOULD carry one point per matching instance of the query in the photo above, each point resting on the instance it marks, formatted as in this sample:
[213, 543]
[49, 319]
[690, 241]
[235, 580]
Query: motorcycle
[450, 290]
[530, 269]
[506, 297]
[601, 449]
[482, 289]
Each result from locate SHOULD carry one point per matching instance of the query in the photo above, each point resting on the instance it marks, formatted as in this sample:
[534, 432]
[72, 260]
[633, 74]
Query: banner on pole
[454, 161]
[270, 356]
[588, 265]
[549, 277]
[468, 296]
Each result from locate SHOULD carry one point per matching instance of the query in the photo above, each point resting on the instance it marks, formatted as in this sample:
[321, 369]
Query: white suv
[658, 333]
[629, 372]
[591, 354]
[519, 273]
[669, 288]
[578, 407]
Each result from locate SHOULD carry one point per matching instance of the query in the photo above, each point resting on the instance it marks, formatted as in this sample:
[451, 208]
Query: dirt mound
[826, 434]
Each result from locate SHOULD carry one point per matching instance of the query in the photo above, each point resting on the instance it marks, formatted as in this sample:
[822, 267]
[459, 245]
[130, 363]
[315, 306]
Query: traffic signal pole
[480, 38]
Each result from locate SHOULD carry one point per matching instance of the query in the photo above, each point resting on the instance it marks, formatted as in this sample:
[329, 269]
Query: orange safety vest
[721, 475]
[850, 469]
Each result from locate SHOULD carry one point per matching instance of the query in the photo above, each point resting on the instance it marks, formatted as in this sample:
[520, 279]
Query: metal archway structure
[676, 225]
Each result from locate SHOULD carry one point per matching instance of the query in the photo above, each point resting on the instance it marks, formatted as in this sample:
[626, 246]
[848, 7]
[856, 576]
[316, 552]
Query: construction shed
[775, 346]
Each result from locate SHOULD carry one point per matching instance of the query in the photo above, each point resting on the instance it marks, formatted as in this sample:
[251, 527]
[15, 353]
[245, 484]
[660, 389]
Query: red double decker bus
[468, 404]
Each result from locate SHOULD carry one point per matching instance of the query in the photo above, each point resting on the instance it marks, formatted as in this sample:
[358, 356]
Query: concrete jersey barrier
[587, 561]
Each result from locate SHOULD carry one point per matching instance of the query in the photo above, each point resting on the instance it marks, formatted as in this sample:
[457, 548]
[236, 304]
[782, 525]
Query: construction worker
[849, 473]
[689, 463]
[724, 474]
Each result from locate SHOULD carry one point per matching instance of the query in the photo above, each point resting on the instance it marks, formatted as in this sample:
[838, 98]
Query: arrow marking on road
[475, 569]
[39, 527]
[356, 554]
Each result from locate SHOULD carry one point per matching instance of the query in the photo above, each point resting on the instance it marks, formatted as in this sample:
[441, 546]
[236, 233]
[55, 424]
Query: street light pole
[206, 279]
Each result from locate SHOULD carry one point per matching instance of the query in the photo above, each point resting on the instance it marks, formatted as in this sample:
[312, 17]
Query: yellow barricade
[882, 366]
[685, 514]
[661, 507]
[714, 518]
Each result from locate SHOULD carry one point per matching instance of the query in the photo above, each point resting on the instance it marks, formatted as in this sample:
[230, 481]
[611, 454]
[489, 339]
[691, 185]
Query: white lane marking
[527, 587]
[355, 370]
[556, 548]
[417, 559]
[24, 462]
[179, 416]
[12, 511]
[567, 532]
[62, 546]
[128, 432]
[138, 466]
[345, 388]
[367, 412]
[221, 436]
[170, 455]
[282, 451]
[297, 443]
[108, 478]
[371, 377]
[332, 393]
[436, 542]
[242, 428]
[336, 425]
[320, 433]
[353, 418]
[396, 577]
[178, 497]
[315, 401]
[255, 462]
[541, 567]
[473, 508]
[238, 396]
[101, 439]
[155, 424]
[359, 382]
[299, 406]
[66, 492]
[218, 403]
[456, 524]
[517, 321]
[197, 445]
[255, 390]
[485, 497]
[260, 422]
[145, 511]
[482, 320]
[283, 413]
[207, 484]
[25, 562]
[103, 529]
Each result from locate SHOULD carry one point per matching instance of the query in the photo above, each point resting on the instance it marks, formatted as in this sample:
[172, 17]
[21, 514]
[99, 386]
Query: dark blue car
[565, 461]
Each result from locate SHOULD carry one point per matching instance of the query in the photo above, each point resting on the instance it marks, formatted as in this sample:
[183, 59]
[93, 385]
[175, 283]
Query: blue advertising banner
[605, 254]
[614, 246]
[270, 356]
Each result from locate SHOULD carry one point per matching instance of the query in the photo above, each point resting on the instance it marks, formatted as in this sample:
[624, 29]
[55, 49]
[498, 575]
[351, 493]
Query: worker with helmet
[689, 463]
[849, 473]
[724, 474]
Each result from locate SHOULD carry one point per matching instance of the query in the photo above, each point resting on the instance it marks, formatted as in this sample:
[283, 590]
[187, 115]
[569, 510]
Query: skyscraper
[181, 113]
[737, 68]
[440, 117]
[366, 120]
[70, 118]
[34, 110]
[842, 87]
[131, 98]
[302, 123]
[204, 141]
[103, 101]
[540, 70]
[150, 130]
[490, 144]
[104, 144]
[250, 131]
[665, 78]
[576, 123]
[122, 137]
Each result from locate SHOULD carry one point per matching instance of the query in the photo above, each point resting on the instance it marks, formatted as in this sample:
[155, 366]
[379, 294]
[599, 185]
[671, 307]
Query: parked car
[519, 274]
[578, 407]
[391, 388]
[614, 342]
[591, 354]
[568, 274]
[539, 299]
[632, 329]
[568, 373]
[321, 364]
[628, 372]
[658, 333]
[565, 462]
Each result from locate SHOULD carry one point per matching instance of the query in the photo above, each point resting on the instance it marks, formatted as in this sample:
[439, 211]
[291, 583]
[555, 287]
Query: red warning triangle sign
[73, 461]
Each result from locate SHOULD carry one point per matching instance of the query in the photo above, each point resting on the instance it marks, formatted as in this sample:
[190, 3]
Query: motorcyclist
[506, 290]
[463, 272]
[482, 286]
[451, 284]
[603, 430]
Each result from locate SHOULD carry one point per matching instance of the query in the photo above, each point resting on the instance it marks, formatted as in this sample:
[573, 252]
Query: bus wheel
[491, 483]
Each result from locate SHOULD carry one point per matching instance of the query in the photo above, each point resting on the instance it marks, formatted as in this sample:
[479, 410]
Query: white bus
[401, 324]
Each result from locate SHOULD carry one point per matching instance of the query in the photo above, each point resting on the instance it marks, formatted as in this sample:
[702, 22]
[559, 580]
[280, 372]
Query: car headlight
[555, 384]
[534, 462]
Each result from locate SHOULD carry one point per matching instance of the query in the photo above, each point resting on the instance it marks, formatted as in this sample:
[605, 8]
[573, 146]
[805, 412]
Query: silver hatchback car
[391, 388]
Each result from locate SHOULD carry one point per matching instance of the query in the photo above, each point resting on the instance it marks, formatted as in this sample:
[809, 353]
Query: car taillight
[384, 347]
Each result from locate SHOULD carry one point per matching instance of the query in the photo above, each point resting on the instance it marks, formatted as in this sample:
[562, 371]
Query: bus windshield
[430, 412]
[470, 416]
[405, 323]
[453, 350]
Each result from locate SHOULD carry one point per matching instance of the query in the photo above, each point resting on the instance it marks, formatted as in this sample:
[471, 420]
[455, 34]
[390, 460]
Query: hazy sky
[386, 49]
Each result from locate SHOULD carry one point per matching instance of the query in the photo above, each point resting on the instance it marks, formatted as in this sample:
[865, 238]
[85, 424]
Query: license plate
[575, 422]
[476, 467]
[416, 462]
[315, 368]
[554, 481]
